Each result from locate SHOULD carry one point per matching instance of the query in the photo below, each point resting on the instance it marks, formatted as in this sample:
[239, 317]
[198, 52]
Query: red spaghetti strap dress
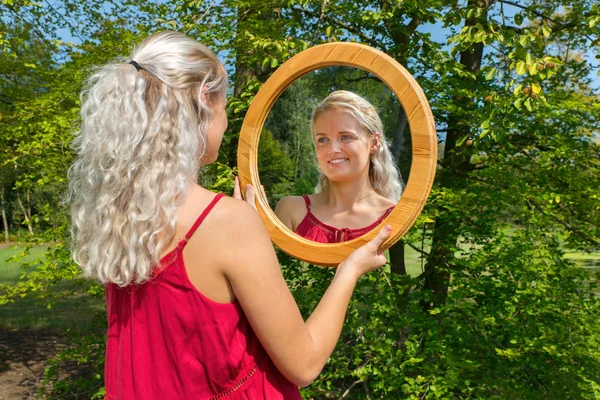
[313, 229]
[167, 341]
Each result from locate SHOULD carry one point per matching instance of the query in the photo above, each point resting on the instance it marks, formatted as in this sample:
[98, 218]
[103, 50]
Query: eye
[347, 137]
[322, 139]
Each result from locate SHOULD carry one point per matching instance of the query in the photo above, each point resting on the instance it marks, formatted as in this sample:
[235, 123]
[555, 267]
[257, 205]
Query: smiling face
[343, 149]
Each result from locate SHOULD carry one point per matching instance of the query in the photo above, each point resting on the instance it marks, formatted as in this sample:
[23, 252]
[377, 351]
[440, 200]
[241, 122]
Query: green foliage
[511, 328]
[497, 312]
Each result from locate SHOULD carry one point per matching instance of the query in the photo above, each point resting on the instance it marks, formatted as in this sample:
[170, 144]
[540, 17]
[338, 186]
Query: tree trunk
[397, 260]
[246, 71]
[400, 143]
[4, 219]
[27, 217]
[447, 225]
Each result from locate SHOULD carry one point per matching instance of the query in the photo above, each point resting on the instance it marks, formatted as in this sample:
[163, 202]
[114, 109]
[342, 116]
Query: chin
[341, 177]
[208, 159]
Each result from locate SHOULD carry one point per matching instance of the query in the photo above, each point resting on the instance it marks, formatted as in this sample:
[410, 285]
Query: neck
[346, 195]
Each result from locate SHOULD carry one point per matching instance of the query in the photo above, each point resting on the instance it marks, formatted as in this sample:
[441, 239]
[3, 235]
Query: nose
[334, 147]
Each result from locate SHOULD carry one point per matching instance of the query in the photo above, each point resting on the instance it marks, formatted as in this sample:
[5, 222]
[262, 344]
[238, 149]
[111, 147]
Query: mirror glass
[337, 149]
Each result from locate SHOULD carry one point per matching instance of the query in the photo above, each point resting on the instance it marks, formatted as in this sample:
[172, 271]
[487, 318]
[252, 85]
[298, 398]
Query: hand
[249, 194]
[366, 258]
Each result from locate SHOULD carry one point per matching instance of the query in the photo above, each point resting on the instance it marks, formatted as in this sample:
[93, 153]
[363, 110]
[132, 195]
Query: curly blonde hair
[141, 141]
[383, 172]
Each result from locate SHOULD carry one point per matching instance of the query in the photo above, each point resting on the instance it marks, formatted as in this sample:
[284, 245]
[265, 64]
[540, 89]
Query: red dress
[313, 229]
[167, 341]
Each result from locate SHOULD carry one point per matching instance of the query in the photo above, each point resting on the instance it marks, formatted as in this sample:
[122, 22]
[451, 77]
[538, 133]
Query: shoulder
[233, 215]
[227, 218]
[382, 202]
[387, 203]
[291, 202]
[291, 210]
[381, 205]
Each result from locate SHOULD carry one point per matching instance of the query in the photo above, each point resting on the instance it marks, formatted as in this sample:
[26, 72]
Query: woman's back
[168, 340]
[224, 324]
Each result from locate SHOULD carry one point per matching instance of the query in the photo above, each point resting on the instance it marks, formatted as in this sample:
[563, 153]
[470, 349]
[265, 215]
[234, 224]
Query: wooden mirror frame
[422, 131]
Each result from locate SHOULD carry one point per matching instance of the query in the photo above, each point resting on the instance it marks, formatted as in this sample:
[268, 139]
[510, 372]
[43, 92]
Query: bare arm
[299, 349]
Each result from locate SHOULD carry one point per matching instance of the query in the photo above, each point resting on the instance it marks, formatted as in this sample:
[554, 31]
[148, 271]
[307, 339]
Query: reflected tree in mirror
[287, 136]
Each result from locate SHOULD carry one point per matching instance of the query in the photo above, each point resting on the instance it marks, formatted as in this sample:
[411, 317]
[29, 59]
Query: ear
[375, 142]
[204, 95]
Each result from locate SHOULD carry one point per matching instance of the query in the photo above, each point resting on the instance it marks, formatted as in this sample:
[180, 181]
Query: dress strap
[307, 201]
[202, 217]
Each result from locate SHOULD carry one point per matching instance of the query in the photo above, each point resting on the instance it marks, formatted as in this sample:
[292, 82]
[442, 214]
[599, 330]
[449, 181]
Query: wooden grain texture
[422, 130]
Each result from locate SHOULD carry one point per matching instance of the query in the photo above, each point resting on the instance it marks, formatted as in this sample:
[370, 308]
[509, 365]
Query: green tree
[497, 312]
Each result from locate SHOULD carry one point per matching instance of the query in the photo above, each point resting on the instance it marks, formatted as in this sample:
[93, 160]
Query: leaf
[523, 40]
[518, 103]
[274, 62]
[529, 59]
[490, 74]
[527, 104]
[546, 30]
[518, 18]
[535, 88]
[533, 70]
[518, 89]
[521, 69]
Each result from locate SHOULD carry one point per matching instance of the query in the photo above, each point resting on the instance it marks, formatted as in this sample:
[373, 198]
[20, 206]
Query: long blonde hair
[142, 136]
[383, 172]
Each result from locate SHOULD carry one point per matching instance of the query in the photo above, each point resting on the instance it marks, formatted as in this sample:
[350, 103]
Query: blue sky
[438, 34]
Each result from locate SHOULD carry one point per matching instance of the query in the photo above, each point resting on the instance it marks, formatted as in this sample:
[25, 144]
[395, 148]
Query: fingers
[237, 193]
[381, 236]
[250, 194]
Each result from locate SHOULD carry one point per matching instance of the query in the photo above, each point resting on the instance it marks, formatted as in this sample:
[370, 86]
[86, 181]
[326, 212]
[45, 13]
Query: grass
[30, 313]
[77, 311]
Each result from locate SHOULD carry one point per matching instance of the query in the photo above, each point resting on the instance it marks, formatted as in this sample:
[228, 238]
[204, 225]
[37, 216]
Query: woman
[196, 303]
[359, 183]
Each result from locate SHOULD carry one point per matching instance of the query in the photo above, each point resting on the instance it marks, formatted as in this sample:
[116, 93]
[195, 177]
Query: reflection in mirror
[334, 154]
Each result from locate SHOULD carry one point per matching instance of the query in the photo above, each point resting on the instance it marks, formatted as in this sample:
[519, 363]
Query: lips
[337, 161]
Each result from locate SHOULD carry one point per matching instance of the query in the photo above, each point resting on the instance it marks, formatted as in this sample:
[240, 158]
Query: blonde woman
[359, 183]
[197, 306]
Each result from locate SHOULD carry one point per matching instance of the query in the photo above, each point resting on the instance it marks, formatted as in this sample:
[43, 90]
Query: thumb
[250, 195]
[381, 236]
[237, 194]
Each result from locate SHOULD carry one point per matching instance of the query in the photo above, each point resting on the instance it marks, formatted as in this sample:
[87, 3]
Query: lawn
[30, 313]
[77, 311]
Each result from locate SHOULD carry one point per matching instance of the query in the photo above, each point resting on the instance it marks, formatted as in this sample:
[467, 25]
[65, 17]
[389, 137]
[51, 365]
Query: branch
[418, 250]
[362, 78]
[349, 28]
[564, 223]
[75, 31]
[559, 26]
[9, 78]
[35, 29]
[197, 21]
[350, 388]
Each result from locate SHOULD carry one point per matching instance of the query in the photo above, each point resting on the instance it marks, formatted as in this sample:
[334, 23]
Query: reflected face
[215, 131]
[342, 147]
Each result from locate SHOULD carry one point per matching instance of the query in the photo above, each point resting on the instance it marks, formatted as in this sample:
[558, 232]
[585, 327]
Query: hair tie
[136, 65]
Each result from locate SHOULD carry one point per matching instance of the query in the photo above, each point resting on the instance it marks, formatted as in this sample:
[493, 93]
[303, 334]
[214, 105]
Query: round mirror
[320, 113]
